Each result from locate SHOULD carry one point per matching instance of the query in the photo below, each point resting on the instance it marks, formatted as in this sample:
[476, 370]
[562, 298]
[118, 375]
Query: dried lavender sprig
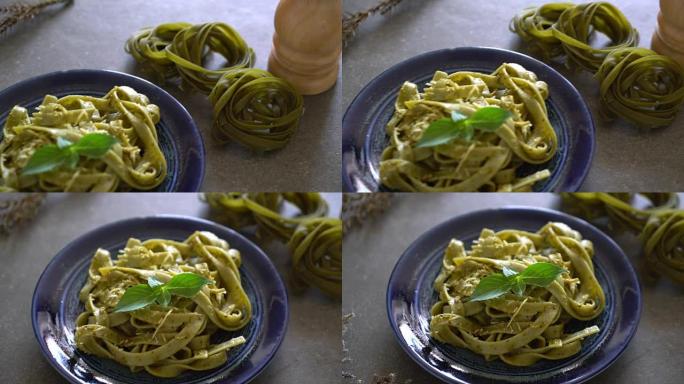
[359, 207]
[15, 211]
[350, 23]
[18, 12]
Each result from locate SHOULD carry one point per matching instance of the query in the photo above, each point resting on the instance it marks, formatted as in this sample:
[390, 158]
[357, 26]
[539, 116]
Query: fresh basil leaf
[488, 118]
[541, 274]
[45, 159]
[153, 282]
[466, 132]
[136, 297]
[186, 284]
[490, 287]
[164, 298]
[63, 143]
[508, 271]
[94, 145]
[438, 132]
[72, 157]
[456, 116]
[518, 286]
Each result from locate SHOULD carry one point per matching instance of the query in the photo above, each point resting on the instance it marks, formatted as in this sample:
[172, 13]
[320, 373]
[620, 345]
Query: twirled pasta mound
[135, 162]
[518, 330]
[491, 160]
[164, 341]
[255, 108]
[637, 84]
[148, 47]
[660, 225]
[314, 241]
[181, 49]
[642, 86]
[663, 243]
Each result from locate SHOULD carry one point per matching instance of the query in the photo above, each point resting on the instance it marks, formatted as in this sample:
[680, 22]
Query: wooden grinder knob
[668, 38]
[307, 44]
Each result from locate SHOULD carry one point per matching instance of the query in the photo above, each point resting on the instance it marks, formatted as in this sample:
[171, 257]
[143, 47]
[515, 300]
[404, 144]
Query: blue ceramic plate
[179, 138]
[410, 296]
[55, 305]
[363, 125]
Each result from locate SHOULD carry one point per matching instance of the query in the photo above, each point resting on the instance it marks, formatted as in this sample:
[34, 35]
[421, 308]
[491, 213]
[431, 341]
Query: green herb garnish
[65, 152]
[141, 295]
[538, 274]
[442, 131]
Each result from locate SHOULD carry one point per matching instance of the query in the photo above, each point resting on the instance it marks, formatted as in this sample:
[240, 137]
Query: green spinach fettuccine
[136, 162]
[637, 84]
[167, 340]
[488, 162]
[518, 329]
[314, 240]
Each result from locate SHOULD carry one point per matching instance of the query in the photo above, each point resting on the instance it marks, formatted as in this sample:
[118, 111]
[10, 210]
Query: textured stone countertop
[310, 353]
[626, 159]
[91, 34]
[653, 356]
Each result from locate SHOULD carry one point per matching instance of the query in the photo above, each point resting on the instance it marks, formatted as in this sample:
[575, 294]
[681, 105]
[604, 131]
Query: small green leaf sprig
[458, 126]
[498, 284]
[65, 152]
[140, 296]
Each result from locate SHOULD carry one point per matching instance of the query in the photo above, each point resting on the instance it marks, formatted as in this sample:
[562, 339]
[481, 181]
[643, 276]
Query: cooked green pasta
[181, 50]
[135, 162]
[637, 84]
[519, 330]
[164, 341]
[660, 225]
[256, 109]
[491, 160]
[314, 241]
[642, 86]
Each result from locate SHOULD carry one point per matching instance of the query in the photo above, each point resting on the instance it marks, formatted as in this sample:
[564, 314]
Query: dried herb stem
[351, 22]
[15, 13]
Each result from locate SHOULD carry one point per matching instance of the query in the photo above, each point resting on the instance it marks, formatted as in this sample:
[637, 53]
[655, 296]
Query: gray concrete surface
[91, 34]
[626, 159]
[310, 353]
[653, 356]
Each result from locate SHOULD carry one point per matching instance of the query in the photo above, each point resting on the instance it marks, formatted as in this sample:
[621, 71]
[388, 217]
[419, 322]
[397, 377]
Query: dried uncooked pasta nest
[181, 49]
[314, 241]
[251, 106]
[641, 86]
[256, 109]
[660, 225]
[164, 341]
[637, 84]
[135, 162]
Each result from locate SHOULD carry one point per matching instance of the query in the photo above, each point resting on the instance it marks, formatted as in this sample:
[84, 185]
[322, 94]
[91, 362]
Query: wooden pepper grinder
[307, 44]
[668, 38]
